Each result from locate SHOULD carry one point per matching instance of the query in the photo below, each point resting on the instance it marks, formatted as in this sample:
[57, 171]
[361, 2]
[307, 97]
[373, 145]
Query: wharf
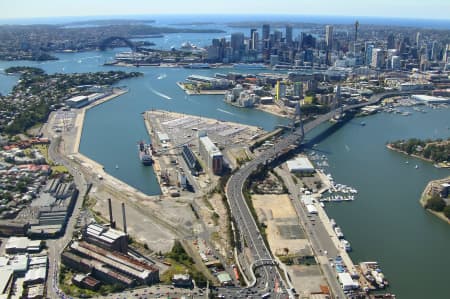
[328, 226]
[201, 92]
[156, 161]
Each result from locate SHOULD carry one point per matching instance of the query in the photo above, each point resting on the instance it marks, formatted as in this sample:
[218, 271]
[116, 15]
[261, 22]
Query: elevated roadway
[268, 278]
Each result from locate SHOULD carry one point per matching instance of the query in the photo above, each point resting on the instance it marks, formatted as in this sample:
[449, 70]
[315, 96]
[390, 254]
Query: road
[55, 247]
[267, 275]
[320, 239]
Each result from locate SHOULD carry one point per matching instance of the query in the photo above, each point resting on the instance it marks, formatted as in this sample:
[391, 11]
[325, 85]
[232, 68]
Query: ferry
[197, 66]
[145, 154]
[252, 66]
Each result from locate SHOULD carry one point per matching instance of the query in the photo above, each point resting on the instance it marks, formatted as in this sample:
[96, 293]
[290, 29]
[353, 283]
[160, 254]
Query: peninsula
[436, 151]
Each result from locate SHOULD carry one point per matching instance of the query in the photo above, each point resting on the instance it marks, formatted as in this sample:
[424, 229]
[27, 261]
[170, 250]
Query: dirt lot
[283, 228]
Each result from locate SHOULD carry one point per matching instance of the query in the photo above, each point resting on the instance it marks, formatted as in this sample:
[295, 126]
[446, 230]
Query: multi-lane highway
[268, 279]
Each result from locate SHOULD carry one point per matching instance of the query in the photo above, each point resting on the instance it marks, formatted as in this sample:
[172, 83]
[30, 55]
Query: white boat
[333, 223]
[346, 245]
[117, 166]
[417, 166]
[338, 232]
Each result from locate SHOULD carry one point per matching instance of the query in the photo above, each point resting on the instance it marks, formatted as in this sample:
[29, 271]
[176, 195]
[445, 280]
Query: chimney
[111, 221]
[124, 219]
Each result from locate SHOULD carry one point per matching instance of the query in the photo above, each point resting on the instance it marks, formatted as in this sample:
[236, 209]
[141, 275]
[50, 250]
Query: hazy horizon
[410, 9]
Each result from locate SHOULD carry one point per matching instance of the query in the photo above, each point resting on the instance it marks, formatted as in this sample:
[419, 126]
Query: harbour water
[385, 223]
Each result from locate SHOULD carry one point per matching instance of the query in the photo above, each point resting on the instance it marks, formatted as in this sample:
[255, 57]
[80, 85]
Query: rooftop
[108, 235]
[209, 145]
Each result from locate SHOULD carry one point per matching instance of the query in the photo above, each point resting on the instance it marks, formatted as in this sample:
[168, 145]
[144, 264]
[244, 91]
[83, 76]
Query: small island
[435, 151]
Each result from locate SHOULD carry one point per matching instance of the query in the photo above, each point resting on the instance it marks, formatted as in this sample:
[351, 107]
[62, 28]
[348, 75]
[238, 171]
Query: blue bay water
[386, 222]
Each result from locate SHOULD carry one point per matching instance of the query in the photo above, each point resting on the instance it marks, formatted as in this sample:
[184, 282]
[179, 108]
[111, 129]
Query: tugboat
[145, 154]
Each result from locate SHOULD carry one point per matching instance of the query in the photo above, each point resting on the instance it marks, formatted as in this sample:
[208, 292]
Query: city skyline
[432, 9]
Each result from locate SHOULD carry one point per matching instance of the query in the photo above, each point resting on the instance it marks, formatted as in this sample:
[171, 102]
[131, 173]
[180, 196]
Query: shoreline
[435, 164]
[94, 168]
[201, 92]
[423, 199]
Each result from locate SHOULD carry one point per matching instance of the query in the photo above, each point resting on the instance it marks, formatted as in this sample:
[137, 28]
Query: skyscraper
[237, 44]
[378, 58]
[265, 35]
[329, 36]
[356, 30]
[289, 35]
[369, 50]
[418, 39]
[265, 31]
[252, 31]
[254, 39]
[446, 56]
[391, 41]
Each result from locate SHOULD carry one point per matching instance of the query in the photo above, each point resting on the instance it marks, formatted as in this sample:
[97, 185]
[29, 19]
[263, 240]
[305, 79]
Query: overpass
[267, 273]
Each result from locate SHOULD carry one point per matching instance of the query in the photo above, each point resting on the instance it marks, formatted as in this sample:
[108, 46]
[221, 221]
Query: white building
[211, 154]
[347, 282]
[300, 165]
[22, 244]
[78, 101]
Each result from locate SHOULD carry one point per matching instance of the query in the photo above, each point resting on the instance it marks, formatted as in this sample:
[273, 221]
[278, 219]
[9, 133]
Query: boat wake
[162, 76]
[164, 96]
[225, 111]
[347, 148]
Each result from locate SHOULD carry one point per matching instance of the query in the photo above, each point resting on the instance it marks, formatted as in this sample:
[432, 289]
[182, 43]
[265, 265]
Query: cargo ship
[145, 153]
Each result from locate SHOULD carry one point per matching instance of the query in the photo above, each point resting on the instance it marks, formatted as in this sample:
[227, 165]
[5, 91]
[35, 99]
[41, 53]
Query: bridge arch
[107, 41]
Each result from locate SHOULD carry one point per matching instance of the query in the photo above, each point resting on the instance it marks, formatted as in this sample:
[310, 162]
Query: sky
[423, 9]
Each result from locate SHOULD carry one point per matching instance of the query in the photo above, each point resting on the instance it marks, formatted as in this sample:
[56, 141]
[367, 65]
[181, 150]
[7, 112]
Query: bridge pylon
[298, 115]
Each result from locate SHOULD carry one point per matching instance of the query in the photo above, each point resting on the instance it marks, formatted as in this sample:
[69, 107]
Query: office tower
[391, 41]
[395, 63]
[237, 44]
[329, 36]
[288, 35]
[277, 37]
[418, 39]
[446, 56]
[356, 30]
[369, 50]
[253, 39]
[436, 49]
[265, 31]
[378, 57]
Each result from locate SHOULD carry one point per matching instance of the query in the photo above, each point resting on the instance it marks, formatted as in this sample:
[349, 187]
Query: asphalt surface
[267, 276]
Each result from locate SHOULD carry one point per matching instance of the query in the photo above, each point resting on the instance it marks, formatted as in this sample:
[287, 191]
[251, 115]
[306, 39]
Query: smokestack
[111, 222]
[124, 219]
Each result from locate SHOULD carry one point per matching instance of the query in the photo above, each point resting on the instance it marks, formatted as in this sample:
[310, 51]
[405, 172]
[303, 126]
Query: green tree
[435, 203]
[447, 212]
